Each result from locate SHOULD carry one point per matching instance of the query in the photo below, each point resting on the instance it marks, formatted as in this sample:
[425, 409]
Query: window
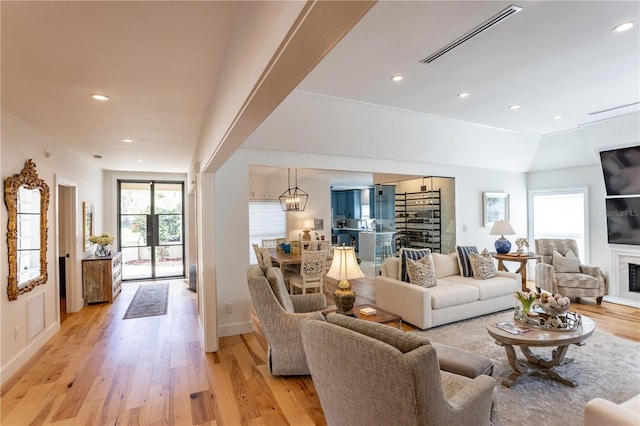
[560, 213]
[266, 221]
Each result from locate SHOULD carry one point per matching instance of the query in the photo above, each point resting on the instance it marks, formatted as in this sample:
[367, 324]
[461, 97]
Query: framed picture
[87, 214]
[318, 224]
[495, 206]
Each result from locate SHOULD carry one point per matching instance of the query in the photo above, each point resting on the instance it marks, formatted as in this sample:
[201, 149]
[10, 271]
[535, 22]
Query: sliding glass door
[151, 232]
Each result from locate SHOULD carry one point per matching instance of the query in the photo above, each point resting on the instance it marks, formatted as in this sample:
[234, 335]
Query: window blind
[266, 221]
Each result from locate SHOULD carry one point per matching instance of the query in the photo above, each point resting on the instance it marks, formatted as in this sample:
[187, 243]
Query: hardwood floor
[102, 370]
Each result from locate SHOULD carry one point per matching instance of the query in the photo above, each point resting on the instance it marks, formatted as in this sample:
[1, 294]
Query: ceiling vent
[613, 109]
[495, 19]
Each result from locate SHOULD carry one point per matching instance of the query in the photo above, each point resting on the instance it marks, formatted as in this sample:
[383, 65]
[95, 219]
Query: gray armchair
[372, 374]
[280, 316]
[587, 281]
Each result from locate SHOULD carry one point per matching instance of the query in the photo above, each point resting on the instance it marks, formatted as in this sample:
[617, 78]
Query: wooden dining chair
[312, 272]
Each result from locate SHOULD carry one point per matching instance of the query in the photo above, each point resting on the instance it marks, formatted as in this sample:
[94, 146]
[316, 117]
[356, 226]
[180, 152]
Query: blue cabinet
[340, 206]
[346, 203]
[353, 204]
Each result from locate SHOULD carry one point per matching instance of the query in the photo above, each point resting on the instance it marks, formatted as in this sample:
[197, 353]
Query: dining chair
[326, 246]
[264, 258]
[314, 245]
[271, 243]
[312, 272]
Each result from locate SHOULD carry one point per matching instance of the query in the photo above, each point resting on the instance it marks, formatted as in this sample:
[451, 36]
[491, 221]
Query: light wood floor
[102, 370]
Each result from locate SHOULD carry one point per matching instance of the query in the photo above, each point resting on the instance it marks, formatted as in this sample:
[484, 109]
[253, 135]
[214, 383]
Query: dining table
[284, 259]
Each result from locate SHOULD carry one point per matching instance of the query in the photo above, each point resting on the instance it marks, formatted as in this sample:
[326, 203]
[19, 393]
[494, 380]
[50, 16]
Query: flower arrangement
[102, 239]
[526, 298]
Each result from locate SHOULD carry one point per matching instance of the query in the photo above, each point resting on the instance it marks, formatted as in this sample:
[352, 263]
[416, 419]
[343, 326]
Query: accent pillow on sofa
[464, 263]
[421, 272]
[407, 253]
[567, 263]
[483, 265]
[445, 265]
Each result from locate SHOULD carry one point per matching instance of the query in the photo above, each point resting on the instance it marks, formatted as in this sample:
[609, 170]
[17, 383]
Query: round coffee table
[538, 337]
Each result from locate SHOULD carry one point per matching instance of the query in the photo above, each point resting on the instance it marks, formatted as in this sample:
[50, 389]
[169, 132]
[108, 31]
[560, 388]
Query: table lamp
[344, 267]
[502, 228]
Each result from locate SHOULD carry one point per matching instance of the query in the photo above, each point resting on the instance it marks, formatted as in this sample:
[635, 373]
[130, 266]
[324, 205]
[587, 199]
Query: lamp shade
[344, 265]
[502, 227]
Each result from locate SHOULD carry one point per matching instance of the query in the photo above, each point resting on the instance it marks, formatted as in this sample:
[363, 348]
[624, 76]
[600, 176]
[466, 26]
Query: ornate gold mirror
[27, 200]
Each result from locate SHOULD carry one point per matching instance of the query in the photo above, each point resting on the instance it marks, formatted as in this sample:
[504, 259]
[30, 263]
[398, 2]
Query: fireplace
[624, 275]
[634, 277]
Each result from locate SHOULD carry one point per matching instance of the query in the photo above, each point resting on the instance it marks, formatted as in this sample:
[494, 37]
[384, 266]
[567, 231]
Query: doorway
[68, 294]
[151, 229]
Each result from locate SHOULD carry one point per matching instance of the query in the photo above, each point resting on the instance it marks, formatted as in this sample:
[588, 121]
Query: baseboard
[235, 329]
[13, 366]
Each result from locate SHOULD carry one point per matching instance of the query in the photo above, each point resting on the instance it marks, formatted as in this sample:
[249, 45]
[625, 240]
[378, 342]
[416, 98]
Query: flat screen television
[623, 220]
[621, 169]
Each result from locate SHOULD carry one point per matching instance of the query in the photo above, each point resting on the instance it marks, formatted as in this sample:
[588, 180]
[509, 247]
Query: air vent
[613, 109]
[495, 19]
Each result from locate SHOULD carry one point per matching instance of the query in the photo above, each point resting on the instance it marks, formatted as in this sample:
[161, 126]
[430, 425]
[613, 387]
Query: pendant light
[293, 199]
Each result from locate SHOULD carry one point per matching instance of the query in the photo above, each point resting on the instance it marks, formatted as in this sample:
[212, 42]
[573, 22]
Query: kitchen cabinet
[339, 201]
[353, 208]
[346, 203]
[102, 278]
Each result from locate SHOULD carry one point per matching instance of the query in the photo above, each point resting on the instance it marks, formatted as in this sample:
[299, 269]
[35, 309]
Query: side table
[380, 316]
[515, 257]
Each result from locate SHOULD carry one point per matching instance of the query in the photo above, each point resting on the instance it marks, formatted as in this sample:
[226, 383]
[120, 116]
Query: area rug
[149, 300]
[606, 366]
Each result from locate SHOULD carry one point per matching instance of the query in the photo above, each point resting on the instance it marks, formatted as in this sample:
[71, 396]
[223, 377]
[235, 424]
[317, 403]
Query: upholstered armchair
[280, 316]
[559, 270]
[372, 374]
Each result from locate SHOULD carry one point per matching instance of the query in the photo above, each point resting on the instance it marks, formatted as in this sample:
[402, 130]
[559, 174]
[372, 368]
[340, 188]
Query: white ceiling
[156, 60]
[553, 57]
[159, 60]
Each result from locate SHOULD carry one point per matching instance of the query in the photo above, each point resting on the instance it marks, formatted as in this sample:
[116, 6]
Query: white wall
[19, 143]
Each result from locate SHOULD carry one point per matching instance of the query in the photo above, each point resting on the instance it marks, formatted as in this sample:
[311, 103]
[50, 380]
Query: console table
[520, 258]
[102, 278]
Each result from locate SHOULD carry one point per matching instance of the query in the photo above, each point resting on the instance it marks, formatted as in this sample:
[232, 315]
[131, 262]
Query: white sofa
[599, 412]
[454, 298]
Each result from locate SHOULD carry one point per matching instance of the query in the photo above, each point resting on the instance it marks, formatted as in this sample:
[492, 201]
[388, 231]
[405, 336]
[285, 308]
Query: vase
[103, 250]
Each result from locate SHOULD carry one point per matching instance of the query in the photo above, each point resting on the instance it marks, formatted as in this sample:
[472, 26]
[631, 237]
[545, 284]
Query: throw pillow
[421, 272]
[463, 259]
[483, 265]
[567, 263]
[445, 265]
[415, 254]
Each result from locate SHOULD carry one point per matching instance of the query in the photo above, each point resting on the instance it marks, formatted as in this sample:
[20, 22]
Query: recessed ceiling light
[514, 106]
[126, 140]
[98, 97]
[557, 117]
[463, 94]
[396, 78]
[140, 161]
[625, 26]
